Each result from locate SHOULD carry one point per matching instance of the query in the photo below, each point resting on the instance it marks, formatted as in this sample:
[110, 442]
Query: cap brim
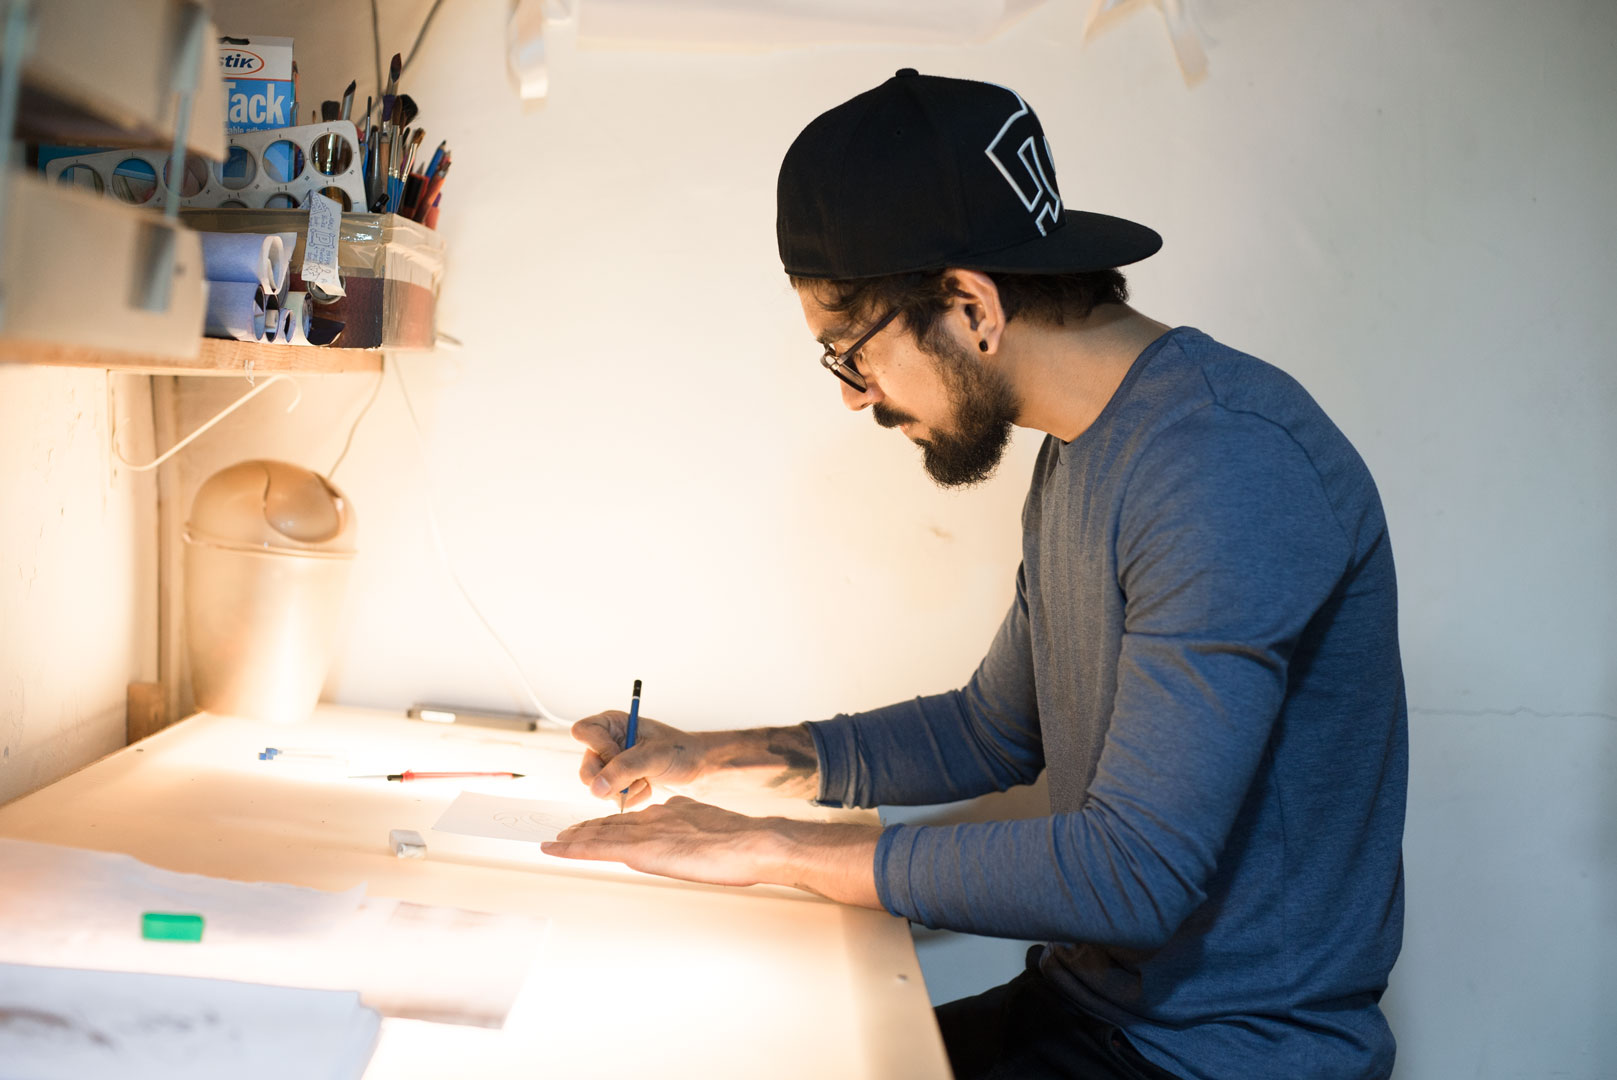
[1084, 242]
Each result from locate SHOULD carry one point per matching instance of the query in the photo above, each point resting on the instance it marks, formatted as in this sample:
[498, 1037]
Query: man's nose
[860, 399]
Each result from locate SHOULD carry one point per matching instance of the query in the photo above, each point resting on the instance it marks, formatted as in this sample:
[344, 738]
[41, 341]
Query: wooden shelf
[217, 356]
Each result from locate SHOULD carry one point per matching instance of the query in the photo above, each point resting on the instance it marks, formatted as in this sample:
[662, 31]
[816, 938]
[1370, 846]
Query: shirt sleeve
[1227, 547]
[943, 747]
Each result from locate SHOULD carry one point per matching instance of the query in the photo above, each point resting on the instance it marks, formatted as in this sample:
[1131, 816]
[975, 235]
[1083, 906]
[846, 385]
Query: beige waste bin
[268, 548]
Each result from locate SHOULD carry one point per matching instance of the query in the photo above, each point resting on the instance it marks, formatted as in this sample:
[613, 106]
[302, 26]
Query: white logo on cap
[1038, 194]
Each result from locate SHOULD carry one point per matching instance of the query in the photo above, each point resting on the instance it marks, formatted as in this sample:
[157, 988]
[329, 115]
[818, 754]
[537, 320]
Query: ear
[979, 317]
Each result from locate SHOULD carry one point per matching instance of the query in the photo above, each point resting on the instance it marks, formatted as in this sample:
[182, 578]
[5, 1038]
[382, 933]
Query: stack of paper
[68, 1024]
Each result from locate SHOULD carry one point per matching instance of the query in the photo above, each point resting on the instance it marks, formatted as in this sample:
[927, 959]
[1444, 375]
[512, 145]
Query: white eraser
[407, 844]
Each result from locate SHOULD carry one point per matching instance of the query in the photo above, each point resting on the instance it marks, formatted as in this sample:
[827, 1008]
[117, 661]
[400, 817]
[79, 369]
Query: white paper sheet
[75, 894]
[75, 908]
[67, 1024]
[447, 965]
[504, 818]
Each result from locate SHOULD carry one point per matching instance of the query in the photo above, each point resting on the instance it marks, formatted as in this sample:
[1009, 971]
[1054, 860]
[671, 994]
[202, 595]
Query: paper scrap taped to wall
[320, 246]
[1182, 31]
[525, 49]
[794, 24]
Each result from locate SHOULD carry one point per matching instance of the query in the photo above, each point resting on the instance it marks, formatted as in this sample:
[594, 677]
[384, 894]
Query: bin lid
[272, 506]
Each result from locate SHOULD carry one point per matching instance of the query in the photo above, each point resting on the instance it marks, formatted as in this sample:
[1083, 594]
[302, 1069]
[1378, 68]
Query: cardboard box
[78, 270]
[260, 92]
[391, 268]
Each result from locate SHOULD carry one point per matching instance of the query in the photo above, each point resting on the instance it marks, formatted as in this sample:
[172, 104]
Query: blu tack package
[259, 89]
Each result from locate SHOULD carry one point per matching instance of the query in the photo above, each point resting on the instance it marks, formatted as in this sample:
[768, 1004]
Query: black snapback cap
[925, 172]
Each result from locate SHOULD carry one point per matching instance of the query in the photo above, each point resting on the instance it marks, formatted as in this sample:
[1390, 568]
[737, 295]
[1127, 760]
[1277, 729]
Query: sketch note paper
[505, 818]
[67, 1024]
[447, 965]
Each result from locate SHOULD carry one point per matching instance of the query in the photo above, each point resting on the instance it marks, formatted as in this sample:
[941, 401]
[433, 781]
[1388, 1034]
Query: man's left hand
[686, 839]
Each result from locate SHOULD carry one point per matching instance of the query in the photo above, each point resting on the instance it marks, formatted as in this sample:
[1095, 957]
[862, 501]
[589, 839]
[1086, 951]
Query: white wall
[78, 570]
[641, 472]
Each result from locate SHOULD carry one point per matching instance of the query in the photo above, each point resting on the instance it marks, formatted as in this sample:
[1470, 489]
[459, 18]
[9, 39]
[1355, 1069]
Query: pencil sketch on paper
[68, 1023]
[530, 820]
[534, 821]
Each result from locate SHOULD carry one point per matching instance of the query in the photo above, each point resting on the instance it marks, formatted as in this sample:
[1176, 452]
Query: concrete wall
[78, 570]
[640, 471]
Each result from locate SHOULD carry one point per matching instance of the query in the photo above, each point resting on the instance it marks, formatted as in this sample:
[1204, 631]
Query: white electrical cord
[432, 514]
[112, 420]
[449, 567]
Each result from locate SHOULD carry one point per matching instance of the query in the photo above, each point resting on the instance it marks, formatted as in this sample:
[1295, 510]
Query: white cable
[449, 567]
[112, 420]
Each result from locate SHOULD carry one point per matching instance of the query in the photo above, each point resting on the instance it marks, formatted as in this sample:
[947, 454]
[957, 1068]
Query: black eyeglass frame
[842, 364]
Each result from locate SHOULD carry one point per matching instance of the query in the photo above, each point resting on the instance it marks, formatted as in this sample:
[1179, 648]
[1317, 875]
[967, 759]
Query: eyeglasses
[843, 365]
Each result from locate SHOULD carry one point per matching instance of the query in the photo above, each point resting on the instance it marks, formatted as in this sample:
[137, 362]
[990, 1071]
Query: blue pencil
[634, 727]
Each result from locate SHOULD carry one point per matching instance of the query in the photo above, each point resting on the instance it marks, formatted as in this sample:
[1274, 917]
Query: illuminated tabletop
[639, 977]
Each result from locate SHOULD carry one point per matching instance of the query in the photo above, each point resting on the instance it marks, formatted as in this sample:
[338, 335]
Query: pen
[409, 775]
[634, 727]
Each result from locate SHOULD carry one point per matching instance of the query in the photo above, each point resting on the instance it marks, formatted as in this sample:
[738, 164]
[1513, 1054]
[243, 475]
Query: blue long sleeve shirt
[1203, 654]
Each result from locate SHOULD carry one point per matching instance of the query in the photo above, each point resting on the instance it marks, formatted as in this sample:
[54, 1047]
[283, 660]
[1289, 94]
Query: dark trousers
[1026, 1028]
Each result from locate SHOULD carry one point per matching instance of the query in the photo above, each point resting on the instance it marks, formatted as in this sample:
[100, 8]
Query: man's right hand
[660, 755]
[705, 763]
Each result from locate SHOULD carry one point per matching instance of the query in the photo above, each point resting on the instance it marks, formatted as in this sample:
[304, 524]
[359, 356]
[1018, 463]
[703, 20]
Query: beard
[984, 408]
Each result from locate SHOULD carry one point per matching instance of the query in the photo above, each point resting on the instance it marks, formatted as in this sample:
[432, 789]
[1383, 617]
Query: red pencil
[431, 189]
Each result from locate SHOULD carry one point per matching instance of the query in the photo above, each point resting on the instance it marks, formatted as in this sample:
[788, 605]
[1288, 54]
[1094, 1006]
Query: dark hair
[923, 295]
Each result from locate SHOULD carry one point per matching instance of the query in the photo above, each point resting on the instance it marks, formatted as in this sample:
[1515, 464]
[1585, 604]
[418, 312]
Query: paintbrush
[384, 166]
[348, 100]
[410, 146]
[395, 157]
[393, 69]
[372, 160]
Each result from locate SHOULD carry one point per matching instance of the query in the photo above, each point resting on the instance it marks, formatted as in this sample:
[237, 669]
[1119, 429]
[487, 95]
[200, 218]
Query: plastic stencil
[275, 169]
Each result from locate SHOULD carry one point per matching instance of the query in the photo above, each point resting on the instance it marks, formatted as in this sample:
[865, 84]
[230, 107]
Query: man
[1202, 651]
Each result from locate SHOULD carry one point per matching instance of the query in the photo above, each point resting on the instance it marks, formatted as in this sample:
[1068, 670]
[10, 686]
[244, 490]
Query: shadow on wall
[1510, 868]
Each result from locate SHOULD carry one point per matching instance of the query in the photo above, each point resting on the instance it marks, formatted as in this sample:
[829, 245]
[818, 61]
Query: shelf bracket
[18, 40]
[154, 253]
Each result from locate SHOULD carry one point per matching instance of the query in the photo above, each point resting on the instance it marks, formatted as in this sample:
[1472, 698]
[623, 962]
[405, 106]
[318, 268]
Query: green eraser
[170, 926]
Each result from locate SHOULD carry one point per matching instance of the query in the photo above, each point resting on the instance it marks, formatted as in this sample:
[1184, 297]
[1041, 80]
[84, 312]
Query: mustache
[889, 417]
